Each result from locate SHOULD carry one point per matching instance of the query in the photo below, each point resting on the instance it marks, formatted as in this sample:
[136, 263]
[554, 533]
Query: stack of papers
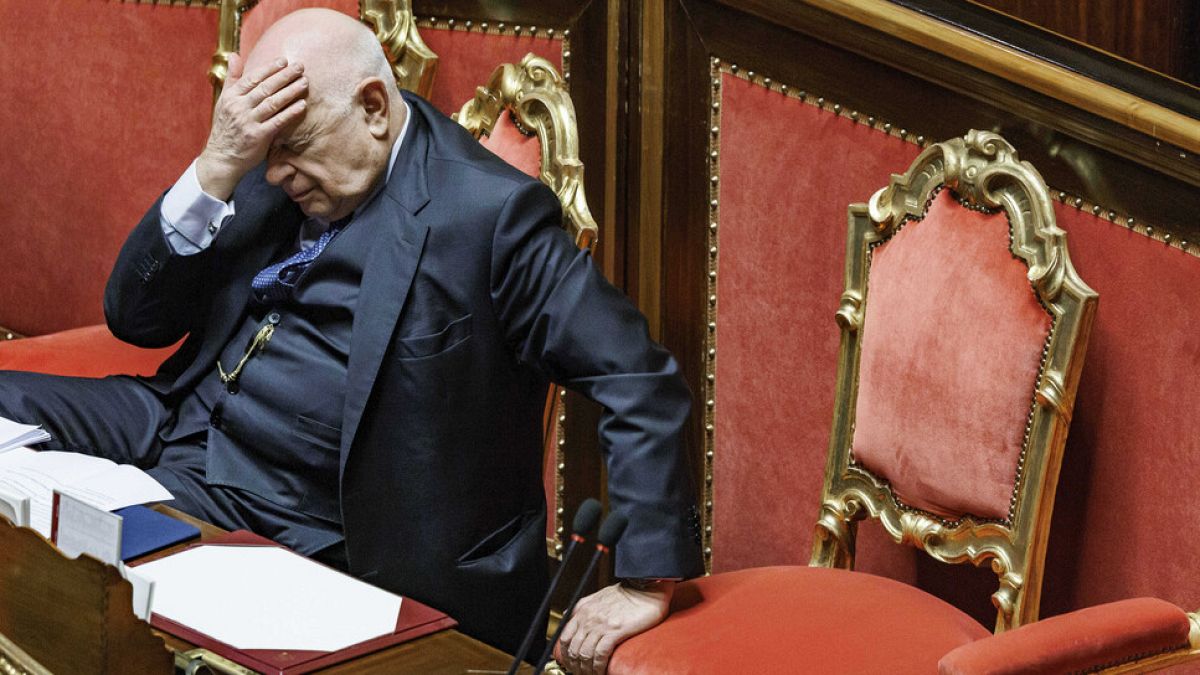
[34, 476]
[15, 435]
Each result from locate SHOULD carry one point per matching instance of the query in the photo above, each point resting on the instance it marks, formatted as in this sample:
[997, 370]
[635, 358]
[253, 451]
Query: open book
[28, 480]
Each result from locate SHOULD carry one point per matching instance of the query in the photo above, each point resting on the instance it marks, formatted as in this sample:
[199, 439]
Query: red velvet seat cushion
[91, 351]
[1100, 636]
[798, 620]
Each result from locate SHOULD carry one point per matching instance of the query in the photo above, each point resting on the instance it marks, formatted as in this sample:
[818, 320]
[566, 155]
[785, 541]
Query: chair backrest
[525, 115]
[244, 21]
[964, 327]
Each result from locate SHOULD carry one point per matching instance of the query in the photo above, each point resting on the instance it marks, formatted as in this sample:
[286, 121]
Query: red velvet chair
[964, 327]
[525, 115]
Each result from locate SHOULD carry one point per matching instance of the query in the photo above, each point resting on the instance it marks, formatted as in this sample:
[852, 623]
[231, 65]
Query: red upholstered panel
[514, 147]
[951, 347]
[81, 352]
[466, 60]
[102, 106]
[1127, 506]
[798, 620]
[1076, 642]
[266, 12]
[787, 173]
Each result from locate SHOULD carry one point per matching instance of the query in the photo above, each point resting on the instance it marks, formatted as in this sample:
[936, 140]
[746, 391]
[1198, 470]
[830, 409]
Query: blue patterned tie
[278, 282]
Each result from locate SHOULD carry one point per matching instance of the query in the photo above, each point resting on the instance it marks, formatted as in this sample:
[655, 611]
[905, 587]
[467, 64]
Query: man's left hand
[605, 619]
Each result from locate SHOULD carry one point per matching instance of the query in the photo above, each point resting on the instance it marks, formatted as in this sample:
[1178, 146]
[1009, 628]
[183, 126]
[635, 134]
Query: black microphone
[585, 523]
[610, 532]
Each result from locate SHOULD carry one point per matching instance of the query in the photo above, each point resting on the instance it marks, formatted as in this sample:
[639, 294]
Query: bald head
[331, 157]
[338, 54]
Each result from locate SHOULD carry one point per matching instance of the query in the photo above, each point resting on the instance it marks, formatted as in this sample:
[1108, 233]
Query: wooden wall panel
[1158, 34]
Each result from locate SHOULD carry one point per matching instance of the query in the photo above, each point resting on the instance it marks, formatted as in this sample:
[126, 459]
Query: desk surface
[447, 651]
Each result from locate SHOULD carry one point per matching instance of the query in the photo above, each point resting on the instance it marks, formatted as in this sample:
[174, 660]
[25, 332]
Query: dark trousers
[119, 418]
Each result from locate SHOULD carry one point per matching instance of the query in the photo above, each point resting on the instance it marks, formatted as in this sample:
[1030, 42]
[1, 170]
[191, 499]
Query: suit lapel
[388, 273]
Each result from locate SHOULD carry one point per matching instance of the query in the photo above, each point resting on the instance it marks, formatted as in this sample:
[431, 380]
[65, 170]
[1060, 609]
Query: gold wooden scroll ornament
[535, 95]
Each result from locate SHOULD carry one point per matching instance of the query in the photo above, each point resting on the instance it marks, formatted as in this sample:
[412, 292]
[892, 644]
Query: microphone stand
[585, 522]
[610, 532]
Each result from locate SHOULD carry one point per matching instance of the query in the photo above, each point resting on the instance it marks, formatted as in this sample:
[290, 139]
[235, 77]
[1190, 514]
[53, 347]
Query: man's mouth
[297, 196]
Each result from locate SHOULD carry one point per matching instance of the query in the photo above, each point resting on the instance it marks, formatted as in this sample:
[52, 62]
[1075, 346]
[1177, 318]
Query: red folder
[413, 621]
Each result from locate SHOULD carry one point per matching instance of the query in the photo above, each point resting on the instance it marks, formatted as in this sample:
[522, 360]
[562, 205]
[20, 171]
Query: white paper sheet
[143, 591]
[258, 597]
[84, 528]
[95, 480]
[16, 435]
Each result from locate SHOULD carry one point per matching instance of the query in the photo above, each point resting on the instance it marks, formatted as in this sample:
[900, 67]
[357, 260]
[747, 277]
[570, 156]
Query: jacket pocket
[421, 346]
[502, 550]
[318, 433]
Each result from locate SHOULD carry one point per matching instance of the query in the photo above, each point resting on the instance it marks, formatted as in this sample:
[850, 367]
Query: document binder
[145, 530]
[414, 620]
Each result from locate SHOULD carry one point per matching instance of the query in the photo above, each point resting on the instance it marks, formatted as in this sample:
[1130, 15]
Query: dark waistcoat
[276, 432]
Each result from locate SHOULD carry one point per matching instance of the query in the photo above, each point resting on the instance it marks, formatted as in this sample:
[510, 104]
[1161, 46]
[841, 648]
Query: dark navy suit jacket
[472, 300]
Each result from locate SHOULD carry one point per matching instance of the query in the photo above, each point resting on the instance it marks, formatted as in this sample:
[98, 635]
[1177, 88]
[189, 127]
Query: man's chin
[312, 206]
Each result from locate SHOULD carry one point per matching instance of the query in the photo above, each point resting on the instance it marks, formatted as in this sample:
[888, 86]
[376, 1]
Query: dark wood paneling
[685, 213]
[922, 90]
[1159, 34]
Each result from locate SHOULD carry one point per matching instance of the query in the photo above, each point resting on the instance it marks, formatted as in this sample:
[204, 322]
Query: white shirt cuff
[190, 217]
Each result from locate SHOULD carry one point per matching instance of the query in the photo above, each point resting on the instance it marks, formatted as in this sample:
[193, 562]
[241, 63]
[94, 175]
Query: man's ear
[373, 97]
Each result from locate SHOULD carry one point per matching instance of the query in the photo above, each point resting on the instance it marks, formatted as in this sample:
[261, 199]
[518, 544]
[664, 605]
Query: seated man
[374, 305]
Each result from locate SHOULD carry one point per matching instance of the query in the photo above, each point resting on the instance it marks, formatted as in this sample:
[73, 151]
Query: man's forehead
[266, 54]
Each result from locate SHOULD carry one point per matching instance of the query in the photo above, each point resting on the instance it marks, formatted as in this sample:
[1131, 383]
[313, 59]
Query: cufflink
[212, 228]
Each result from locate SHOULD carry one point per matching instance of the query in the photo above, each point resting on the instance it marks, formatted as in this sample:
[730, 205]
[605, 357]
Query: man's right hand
[250, 112]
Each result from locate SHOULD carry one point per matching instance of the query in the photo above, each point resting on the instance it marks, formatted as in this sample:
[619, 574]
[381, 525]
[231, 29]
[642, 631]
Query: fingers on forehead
[256, 71]
[279, 80]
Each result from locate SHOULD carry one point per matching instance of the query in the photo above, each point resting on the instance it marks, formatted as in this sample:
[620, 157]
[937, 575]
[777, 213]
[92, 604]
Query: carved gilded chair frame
[413, 63]
[537, 98]
[986, 174]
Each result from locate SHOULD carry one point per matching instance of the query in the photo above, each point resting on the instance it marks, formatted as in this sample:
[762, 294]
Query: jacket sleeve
[151, 296]
[563, 318]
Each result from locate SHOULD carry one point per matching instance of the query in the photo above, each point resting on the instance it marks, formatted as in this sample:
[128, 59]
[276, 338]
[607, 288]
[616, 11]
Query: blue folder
[144, 530]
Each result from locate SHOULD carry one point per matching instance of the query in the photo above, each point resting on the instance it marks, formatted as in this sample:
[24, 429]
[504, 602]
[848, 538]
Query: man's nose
[278, 171]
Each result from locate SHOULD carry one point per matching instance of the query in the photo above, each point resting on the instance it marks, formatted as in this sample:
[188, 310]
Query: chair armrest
[1095, 637]
[91, 351]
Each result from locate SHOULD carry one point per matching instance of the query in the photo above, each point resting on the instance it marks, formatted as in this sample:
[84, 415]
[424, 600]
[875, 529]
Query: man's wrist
[216, 178]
